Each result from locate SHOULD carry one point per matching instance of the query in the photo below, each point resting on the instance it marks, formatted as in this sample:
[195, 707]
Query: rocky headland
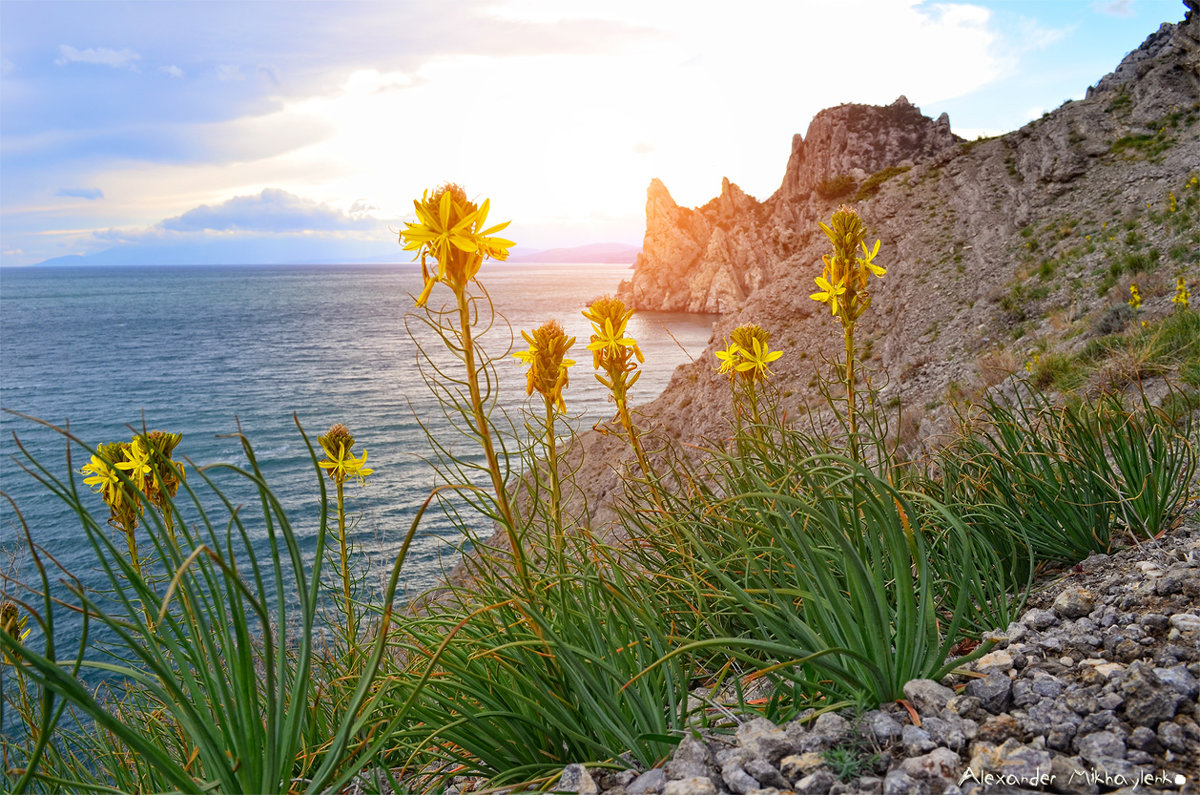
[1000, 253]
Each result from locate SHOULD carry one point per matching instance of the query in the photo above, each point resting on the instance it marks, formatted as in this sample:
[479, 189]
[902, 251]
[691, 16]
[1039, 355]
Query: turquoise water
[196, 350]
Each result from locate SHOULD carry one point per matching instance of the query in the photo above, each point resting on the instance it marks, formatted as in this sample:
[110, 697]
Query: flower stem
[341, 509]
[485, 436]
[555, 497]
[850, 391]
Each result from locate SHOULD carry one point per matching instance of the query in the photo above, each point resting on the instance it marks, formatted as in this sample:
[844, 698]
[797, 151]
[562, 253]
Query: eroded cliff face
[712, 258]
[996, 250]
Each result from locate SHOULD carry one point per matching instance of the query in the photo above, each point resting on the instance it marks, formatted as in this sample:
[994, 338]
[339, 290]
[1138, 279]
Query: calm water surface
[197, 350]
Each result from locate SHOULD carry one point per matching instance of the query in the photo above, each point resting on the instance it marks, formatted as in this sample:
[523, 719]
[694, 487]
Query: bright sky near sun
[238, 131]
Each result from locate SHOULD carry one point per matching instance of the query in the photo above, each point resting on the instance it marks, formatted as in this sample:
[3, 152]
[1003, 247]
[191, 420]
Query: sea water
[204, 351]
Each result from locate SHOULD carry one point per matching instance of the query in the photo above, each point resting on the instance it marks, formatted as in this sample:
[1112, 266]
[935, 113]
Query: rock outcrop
[712, 258]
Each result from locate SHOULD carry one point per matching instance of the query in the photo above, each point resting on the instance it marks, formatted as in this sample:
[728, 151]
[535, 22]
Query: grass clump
[836, 187]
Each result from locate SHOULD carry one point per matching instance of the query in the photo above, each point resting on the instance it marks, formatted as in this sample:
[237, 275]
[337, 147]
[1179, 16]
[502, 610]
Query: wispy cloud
[103, 56]
[1116, 8]
[81, 193]
[229, 71]
[171, 71]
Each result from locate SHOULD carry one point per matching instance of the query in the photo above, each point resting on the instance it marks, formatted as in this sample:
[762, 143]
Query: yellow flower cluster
[1032, 363]
[1135, 297]
[1171, 205]
[339, 463]
[149, 472]
[1182, 296]
[843, 282]
[13, 624]
[548, 345]
[613, 351]
[450, 228]
[748, 354]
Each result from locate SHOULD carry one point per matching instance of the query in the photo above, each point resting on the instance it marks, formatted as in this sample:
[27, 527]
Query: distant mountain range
[291, 251]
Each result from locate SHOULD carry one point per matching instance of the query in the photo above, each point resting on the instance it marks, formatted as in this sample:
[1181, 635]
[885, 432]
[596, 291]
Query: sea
[207, 350]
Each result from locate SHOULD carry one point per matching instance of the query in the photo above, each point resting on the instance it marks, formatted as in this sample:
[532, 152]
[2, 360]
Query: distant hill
[309, 252]
[616, 253]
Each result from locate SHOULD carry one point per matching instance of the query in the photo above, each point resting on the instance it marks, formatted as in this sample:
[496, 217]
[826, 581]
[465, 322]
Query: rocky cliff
[712, 258]
[1001, 253]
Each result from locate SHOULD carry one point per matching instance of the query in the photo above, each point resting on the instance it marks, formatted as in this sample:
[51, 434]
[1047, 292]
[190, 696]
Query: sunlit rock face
[710, 259]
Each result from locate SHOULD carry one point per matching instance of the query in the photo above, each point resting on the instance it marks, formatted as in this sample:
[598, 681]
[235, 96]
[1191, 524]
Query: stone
[950, 731]
[691, 758]
[916, 741]
[881, 727]
[993, 691]
[1039, 619]
[648, 783]
[738, 780]
[1012, 760]
[1074, 603]
[694, 785]
[575, 778]
[940, 762]
[998, 728]
[765, 739]
[1000, 660]
[832, 727]
[1101, 747]
[766, 773]
[1069, 776]
[1147, 700]
[1143, 738]
[816, 783]
[1171, 735]
[796, 766]
[897, 782]
[1186, 623]
[1179, 679]
[927, 696]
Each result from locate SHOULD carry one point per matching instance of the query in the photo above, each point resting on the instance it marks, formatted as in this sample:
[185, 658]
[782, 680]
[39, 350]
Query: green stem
[850, 391]
[485, 436]
[555, 497]
[341, 509]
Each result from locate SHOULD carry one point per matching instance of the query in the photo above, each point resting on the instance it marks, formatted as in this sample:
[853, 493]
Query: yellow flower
[829, 293]
[547, 368]
[843, 282]
[613, 351]
[136, 464]
[340, 463]
[449, 228]
[13, 624]
[755, 362]
[1182, 295]
[1135, 297]
[103, 480]
[748, 353]
[728, 359]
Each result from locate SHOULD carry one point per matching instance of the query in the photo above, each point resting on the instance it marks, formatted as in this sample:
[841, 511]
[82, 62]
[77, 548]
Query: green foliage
[873, 183]
[836, 187]
[212, 646]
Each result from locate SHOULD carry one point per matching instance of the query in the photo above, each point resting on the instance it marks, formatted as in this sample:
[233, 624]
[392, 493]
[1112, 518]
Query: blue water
[195, 350]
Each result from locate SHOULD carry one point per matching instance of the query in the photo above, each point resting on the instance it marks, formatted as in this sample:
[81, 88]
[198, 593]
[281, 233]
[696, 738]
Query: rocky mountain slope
[1002, 253]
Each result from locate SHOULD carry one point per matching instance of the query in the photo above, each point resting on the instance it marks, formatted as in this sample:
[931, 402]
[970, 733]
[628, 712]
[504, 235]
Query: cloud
[270, 73]
[81, 193]
[103, 56]
[229, 71]
[642, 148]
[273, 211]
[171, 71]
[1116, 8]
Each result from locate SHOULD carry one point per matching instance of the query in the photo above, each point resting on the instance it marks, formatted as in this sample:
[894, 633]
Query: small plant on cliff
[836, 187]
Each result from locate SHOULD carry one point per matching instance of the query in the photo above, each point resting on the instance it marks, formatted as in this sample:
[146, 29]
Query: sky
[233, 132]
